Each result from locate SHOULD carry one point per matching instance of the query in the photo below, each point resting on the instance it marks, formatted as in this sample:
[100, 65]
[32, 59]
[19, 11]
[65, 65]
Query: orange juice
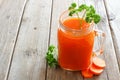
[75, 49]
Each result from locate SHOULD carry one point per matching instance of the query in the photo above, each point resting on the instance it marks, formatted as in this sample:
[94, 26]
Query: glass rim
[65, 27]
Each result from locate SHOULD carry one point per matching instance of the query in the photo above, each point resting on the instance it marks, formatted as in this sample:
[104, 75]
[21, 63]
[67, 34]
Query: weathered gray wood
[10, 17]
[113, 11]
[109, 52]
[103, 76]
[111, 71]
[29, 56]
[59, 74]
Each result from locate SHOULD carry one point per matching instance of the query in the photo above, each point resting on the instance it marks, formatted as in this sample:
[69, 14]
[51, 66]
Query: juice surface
[75, 23]
[75, 52]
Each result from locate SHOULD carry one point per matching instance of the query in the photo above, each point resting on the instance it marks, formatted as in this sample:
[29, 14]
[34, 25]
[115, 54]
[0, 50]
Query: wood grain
[113, 11]
[109, 52]
[10, 17]
[96, 4]
[29, 56]
[60, 74]
[25, 43]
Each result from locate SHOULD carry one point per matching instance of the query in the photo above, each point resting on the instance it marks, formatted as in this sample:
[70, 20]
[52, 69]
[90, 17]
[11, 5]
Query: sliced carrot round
[99, 62]
[95, 70]
[86, 73]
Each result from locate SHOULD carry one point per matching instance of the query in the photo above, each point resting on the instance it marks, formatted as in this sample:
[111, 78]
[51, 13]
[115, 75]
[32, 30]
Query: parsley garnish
[51, 56]
[89, 15]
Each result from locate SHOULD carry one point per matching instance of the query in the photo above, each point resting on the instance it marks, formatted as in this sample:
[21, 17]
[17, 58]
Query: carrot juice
[75, 44]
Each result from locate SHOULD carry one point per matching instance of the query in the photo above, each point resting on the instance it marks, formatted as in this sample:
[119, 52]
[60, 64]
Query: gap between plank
[110, 26]
[19, 24]
[105, 5]
[49, 36]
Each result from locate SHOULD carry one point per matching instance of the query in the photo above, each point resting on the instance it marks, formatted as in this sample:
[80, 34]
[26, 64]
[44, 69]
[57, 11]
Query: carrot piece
[86, 73]
[95, 70]
[98, 62]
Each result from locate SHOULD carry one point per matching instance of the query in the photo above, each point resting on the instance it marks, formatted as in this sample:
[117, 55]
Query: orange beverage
[76, 40]
[75, 50]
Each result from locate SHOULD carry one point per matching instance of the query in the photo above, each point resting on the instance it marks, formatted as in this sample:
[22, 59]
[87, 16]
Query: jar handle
[99, 42]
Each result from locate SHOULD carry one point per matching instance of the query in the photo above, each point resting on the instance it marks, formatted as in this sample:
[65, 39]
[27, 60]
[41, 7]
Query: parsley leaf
[72, 12]
[73, 5]
[51, 56]
[89, 15]
[82, 7]
[96, 18]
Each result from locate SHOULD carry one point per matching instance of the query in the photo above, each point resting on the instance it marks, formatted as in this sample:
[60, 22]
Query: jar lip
[65, 27]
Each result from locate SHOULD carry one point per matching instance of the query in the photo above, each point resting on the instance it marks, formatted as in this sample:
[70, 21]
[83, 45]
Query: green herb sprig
[89, 15]
[51, 56]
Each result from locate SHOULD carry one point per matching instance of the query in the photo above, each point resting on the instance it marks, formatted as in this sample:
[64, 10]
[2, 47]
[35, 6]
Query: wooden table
[28, 27]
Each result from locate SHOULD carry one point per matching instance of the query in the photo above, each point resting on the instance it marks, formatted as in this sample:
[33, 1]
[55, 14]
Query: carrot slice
[86, 73]
[95, 70]
[100, 63]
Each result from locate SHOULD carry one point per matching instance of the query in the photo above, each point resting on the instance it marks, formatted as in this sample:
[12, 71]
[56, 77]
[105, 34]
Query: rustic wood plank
[59, 74]
[109, 52]
[29, 56]
[103, 76]
[113, 11]
[10, 17]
